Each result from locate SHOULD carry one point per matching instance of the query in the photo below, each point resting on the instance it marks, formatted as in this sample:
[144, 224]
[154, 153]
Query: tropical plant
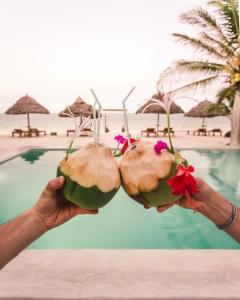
[222, 108]
[217, 42]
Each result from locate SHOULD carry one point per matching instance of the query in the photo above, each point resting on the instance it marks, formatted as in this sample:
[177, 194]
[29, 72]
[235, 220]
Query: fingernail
[60, 180]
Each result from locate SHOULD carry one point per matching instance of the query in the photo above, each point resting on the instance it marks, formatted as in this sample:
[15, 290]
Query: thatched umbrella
[27, 105]
[79, 108]
[202, 111]
[156, 109]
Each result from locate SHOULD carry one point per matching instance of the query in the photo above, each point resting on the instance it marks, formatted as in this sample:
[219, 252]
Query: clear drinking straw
[125, 116]
[94, 123]
[99, 116]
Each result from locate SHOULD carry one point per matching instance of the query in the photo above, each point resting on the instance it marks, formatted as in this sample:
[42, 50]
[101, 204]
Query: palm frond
[202, 83]
[199, 16]
[219, 38]
[228, 15]
[222, 48]
[218, 108]
[227, 94]
[200, 67]
[198, 45]
[206, 21]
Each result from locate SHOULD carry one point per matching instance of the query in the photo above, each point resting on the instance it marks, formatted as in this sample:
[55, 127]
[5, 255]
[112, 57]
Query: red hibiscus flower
[125, 145]
[184, 183]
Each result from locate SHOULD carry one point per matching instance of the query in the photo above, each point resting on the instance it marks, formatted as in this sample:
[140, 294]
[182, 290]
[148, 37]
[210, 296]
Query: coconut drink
[91, 176]
[91, 173]
[145, 174]
[155, 175]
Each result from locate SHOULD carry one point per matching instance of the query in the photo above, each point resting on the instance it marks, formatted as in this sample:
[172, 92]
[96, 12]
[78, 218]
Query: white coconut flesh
[141, 168]
[92, 165]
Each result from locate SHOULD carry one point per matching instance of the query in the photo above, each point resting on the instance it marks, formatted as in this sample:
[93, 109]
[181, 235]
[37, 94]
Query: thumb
[53, 185]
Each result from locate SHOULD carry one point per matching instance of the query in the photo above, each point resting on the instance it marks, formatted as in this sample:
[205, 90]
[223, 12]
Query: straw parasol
[27, 105]
[79, 108]
[202, 111]
[156, 109]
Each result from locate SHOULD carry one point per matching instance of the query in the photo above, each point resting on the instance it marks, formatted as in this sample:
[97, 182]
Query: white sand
[11, 146]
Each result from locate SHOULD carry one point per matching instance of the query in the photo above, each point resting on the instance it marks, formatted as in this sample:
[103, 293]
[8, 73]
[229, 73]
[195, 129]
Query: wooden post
[158, 119]
[28, 121]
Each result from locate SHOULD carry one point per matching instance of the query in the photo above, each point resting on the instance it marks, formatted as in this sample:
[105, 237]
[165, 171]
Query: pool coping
[122, 275]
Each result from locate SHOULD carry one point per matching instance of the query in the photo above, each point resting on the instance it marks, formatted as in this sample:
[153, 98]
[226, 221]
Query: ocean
[114, 121]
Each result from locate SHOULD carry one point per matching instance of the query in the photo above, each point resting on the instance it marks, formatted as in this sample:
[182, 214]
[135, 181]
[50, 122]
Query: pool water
[122, 224]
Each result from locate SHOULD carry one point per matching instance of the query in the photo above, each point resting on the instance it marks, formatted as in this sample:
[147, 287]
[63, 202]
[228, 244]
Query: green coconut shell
[87, 198]
[160, 196]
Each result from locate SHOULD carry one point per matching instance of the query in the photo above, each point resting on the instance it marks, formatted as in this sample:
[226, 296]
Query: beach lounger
[70, 131]
[22, 133]
[43, 132]
[17, 132]
[86, 132]
[214, 131]
[227, 134]
[53, 133]
[200, 131]
[165, 131]
[28, 133]
[36, 132]
[149, 132]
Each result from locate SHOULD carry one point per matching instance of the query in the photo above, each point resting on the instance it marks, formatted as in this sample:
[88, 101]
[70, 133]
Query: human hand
[52, 209]
[197, 202]
[140, 199]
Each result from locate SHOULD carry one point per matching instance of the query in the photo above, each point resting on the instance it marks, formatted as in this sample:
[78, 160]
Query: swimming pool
[122, 224]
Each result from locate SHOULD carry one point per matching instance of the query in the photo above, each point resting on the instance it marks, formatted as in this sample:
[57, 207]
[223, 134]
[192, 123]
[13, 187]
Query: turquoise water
[122, 223]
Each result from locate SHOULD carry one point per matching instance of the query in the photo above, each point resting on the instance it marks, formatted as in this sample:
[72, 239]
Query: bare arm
[216, 208]
[17, 235]
[212, 205]
[51, 210]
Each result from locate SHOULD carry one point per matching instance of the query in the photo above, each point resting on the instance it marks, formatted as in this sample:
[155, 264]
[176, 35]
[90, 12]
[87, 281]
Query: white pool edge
[122, 274]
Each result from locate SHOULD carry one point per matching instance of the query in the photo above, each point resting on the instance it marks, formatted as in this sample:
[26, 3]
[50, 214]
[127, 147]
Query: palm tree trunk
[235, 121]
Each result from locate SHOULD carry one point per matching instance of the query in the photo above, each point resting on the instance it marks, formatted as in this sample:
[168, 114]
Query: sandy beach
[114, 121]
[12, 146]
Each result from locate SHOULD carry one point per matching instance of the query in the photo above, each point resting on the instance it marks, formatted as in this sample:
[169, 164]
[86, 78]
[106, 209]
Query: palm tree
[217, 41]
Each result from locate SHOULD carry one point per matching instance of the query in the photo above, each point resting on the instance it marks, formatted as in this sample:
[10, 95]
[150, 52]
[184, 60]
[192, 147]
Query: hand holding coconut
[155, 175]
[52, 209]
[91, 176]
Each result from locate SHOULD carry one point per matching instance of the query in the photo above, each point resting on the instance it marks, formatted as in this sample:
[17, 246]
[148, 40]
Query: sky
[55, 50]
